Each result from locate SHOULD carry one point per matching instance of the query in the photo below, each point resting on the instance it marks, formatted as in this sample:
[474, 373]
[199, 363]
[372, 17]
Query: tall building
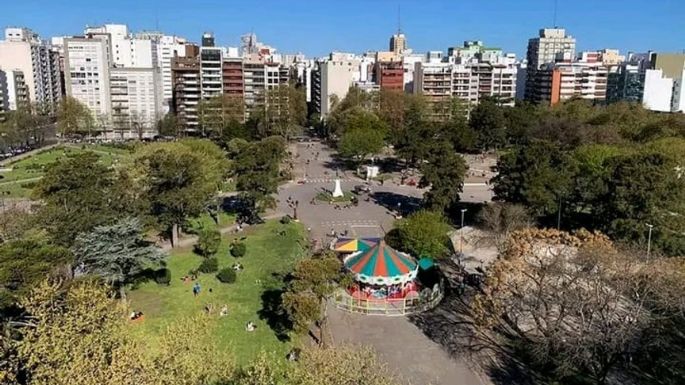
[671, 64]
[22, 50]
[4, 98]
[87, 64]
[210, 67]
[398, 43]
[169, 46]
[557, 82]
[136, 101]
[15, 90]
[551, 44]
[439, 82]
[185, 78]
[390, 75]
[626, 82]
[495, 80]
[337, 74]
[658, 91]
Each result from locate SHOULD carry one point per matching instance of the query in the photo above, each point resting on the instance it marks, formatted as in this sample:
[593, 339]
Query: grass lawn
[205, 221]
[272, 249]
[28, 170]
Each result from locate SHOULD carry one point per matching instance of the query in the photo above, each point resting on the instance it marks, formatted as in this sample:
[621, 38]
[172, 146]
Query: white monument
[337, 192]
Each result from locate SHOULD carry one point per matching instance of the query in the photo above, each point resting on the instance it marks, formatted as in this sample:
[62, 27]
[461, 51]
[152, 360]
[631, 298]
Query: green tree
[424, 233]
[73, 117]
[216, 113]
[391, 110]
[645, 189]
[78, 193]
[360, 143]
[256, 167]
[537, 175]
[180, 180]
[414, 141]
[25, 262]
[487, 120]
[117, 253]
[314, 282]
[443, 171]
[76, 334]
[456, 129]
[208, 242]
[169, 125]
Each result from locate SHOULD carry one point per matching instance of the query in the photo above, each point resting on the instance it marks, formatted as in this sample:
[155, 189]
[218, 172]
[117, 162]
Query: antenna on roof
[399, 19]
[556, 5]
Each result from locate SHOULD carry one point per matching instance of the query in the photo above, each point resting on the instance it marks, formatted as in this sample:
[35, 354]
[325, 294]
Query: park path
[416, 359]
[190, 240]
[27, 154]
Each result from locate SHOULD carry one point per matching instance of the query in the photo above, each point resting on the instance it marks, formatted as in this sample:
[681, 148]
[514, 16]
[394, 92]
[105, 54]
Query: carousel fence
[388, 306]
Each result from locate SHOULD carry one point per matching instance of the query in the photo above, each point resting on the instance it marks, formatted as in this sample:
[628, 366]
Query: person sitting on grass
[250, 327]
[224, 311]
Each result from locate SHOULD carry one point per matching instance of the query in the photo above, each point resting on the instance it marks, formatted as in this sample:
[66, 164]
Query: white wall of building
[658, 91]
[136, 99]
[86, 73]
[337, 75]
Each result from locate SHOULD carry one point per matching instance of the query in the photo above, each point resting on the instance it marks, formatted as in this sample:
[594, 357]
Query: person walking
[196, 289]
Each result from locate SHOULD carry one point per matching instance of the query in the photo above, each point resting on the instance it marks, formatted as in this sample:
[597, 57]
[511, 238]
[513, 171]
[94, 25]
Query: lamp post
[559, 215]
[461, 232]
[649, 238]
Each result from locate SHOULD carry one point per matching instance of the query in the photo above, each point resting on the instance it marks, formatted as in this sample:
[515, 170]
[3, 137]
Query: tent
[382, 265]
[351, 245]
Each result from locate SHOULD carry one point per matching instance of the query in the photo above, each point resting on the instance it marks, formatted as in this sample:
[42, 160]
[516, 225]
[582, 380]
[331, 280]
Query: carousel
[386, 281]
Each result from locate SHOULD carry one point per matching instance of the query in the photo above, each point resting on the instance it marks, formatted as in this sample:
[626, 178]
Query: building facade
[337, 74]
[87, 64]
[658, 91]
[558, 82]
[185, 72]
[389, 75]
[136, 101]
[22, 50]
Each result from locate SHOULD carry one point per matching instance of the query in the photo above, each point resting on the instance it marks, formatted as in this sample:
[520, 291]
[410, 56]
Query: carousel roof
[381, 261]
[350, 245]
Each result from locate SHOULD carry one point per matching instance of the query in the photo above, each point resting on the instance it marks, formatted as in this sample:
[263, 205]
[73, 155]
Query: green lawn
[272, 249]
[27, 171]
[205, 221]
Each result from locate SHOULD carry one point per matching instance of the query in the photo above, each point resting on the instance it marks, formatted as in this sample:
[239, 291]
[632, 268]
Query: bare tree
[576, 302]
[499, 220]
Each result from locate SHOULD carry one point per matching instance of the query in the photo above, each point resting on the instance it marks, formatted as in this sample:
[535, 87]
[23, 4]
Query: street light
[461, 232]
[649, 238]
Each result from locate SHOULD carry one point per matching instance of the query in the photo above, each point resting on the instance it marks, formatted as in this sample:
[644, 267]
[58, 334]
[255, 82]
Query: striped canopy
[351, 245]
[382, 265]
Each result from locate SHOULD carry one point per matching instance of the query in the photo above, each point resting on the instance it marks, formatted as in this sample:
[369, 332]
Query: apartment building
[337, 74]
[555, 83]
[185, 71]
[495, 80]
[4, 98]
[658, 91]
[389, 75]
[548, 46]
[398, 43]
[136, 101]
[168, 48]
[210, 67]
[22, 50]
[439, 82]
[15, 90]
[87, 64]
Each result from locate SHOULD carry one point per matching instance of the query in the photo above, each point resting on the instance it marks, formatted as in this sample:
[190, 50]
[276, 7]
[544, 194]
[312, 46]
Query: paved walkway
[27, 154]
[190, 240]
[415, 358]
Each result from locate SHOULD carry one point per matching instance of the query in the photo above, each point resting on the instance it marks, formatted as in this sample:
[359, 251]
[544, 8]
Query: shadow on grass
[273, 313]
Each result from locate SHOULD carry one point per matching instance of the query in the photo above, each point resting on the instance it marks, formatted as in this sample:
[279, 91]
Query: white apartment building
[337, 74]
[678, 97]
[87, 73]
[551, 43]
[14, 91]
[22, 50]
[439, 82]
[136, 101]
[658, 91]
[211, 84]
[169, 46]
[129, 51]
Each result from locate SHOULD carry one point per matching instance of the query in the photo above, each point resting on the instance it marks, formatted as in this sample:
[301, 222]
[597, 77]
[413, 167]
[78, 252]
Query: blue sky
[316, 27]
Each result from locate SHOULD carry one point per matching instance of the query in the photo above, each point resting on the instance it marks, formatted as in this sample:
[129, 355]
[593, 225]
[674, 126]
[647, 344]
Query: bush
[208, 242]
[238, 249]
[226, 275]
[285, 220]
[209, 265]
[163, 276]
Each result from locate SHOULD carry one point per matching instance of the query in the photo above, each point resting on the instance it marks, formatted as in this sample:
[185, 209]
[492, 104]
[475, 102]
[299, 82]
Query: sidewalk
[190, 240]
